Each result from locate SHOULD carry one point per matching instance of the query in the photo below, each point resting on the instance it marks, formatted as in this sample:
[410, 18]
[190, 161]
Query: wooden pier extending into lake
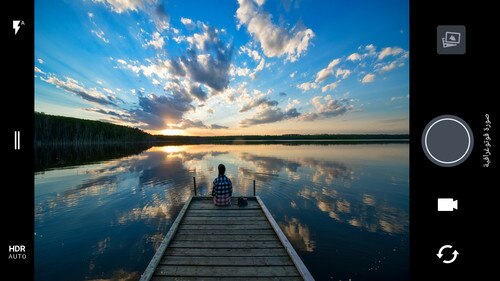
[207, 242]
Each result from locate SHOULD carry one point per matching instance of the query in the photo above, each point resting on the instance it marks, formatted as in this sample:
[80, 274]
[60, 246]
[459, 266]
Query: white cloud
[99, 82]
[325, 72]
[329, 87]
[371, 49]
[389, 51]
[100, 34]
[388, 67]
[109, 91]
[258, 68]
[188, 23]
[239, 71]
[275, 41]
[260, 2]
[368, 78]
[157, 41]
[251, 53]
[354, 57]
[120, 6]
[39, 70]
[307, 86]
[292, 103]
[343, 73]
[73, 86]
[326, 107]
[292, 75]
[40, 61]
[121, 61]
[400, 98]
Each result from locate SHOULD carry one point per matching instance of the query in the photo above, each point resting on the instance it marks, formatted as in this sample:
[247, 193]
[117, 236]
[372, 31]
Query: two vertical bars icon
[17, 140]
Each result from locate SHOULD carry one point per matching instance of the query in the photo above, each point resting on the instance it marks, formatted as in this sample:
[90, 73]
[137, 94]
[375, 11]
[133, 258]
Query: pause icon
[17, 140]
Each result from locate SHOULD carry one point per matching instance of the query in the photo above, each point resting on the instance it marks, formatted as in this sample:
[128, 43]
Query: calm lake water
[344, 207]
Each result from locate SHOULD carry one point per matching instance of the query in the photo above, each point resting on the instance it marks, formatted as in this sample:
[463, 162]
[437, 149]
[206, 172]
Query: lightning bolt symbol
[15, 25]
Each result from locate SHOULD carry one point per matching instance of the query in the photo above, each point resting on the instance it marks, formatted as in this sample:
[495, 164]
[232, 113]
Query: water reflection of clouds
[150, 188]
[298, 234]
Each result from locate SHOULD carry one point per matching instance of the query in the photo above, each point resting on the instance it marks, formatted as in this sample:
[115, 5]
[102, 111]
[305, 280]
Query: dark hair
[222, 169]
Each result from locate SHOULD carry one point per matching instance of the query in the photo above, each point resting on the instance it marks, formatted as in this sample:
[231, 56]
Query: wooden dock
[207, 242]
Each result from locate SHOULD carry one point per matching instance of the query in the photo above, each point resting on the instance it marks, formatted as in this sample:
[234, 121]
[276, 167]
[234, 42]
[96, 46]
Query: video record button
[447, 140]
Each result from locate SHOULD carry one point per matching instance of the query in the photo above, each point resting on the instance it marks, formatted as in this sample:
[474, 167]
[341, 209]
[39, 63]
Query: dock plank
[226, 226]
[227, 271]
[225, 237]
[204, 232]
[226, 244]
[229, 261]
[275, 252]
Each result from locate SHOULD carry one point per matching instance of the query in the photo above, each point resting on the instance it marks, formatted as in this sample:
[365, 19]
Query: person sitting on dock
[222, 188]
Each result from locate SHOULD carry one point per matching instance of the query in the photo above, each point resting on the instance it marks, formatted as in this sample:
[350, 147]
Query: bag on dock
[242, 202]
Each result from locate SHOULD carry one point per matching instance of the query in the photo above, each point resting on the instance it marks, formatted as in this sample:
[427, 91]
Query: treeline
[321, 137]
[59, 130]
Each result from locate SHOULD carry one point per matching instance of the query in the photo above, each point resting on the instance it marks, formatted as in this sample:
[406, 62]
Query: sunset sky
[234, 67]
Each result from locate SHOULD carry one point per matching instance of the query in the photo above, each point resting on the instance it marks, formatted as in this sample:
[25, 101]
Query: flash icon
[447, 204]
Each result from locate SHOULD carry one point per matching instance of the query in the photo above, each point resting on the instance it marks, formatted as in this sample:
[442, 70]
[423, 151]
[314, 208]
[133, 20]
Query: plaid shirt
[222, 190]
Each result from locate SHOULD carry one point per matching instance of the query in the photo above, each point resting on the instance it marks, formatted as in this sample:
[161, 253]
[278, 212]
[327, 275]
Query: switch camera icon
[447, 204]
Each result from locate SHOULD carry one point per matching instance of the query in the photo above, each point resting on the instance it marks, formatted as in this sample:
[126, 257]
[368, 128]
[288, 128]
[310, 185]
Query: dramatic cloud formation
[258, 102]
[326, 107]
[275, 41]
[269, 115]
[72, 86]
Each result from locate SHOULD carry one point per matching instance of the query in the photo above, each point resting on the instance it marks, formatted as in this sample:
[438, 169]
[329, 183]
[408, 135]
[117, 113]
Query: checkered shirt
[222, 191]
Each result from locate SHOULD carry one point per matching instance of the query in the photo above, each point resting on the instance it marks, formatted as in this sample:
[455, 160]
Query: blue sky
[226, 67]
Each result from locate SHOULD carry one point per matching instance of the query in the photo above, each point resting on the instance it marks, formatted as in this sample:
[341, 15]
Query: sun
[172, 132]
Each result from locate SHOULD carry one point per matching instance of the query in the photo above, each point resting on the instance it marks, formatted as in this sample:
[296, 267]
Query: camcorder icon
[447, 204]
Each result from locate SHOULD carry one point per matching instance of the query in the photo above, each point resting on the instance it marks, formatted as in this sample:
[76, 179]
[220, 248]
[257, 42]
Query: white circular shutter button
[447, 140]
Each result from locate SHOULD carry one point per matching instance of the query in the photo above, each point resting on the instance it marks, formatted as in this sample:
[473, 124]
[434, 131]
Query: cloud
[188, 23]
[198, 124]
[292, 103]
[210, 61]
[120, 6]
[399, 98]
[251, 53]
[368, 78]
[157, 41]
[275, 41]
[325, 72]
[260, 2]
[306, 86]
[354, 57]
[282, 94]
[292, 75]
[72, 86]
[239, 71]
[269, 115]
[216, 127]
[40, 61]
[389, 51]
[154, 8]
[330, 87]
[326, 107]
[100, 34]
[258, 68]
[388, 67]
[97, 31]
[343, 73]
[158, 111]
[257, 102]
[196, 90]
[39, 70]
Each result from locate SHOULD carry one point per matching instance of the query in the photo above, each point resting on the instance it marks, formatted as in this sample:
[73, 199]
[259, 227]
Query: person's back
[222, 188]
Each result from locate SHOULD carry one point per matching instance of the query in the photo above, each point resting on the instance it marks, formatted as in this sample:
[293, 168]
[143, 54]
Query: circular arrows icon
[440, 254]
